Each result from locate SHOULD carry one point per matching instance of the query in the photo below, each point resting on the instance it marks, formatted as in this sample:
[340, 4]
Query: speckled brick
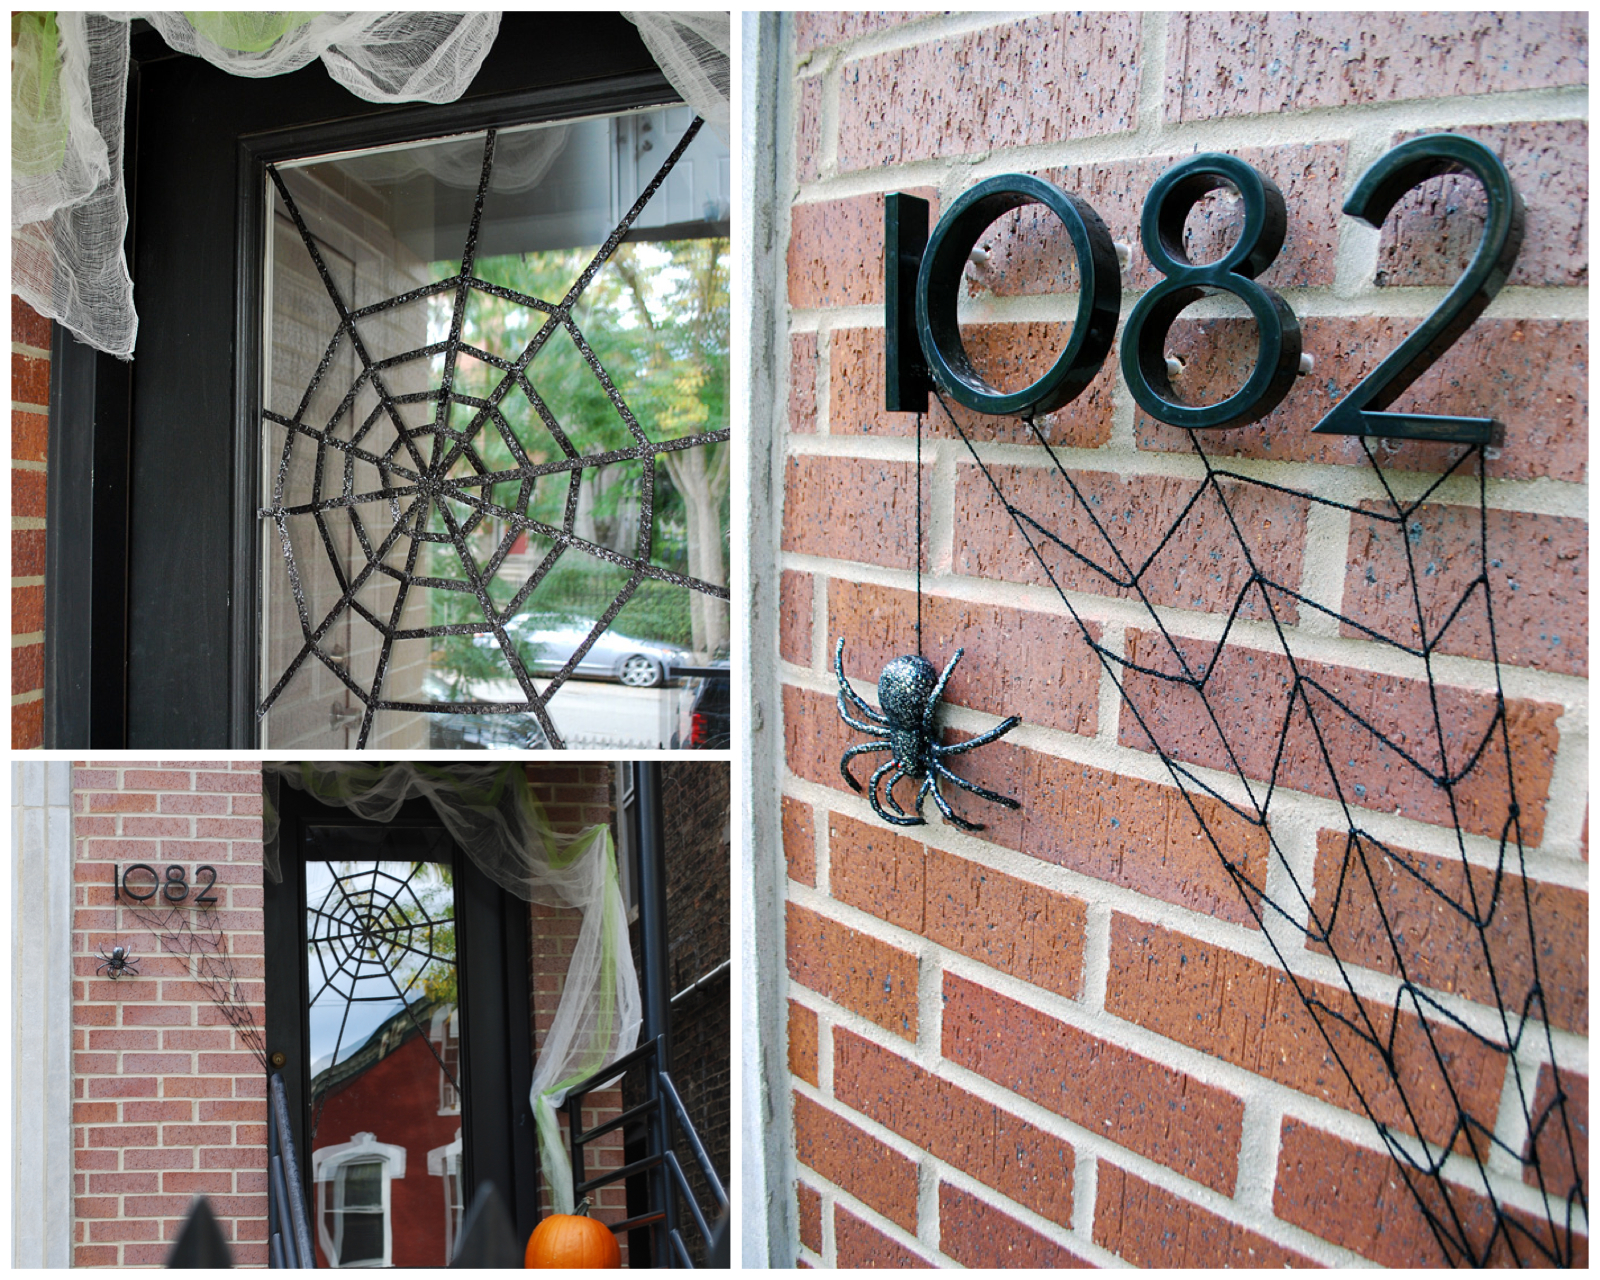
[1538, 570]
[859, 1244]
[27, 553]
[30, 379]
[976, 1234]
[1029, 251]
[27, 493]
[1248, 692]
[27, 668]
[1430, 236]
[835, 254]
[1558, 1133]
[1009, 355]
[1001, 1151]
[1222, 64]
[808, 131]
[30, 436]
[847, 1156]
[27, 725]
[1036, 80]
[1013, 925]
[1138, 834]
[1251, 1015]
[28, 326]
[799, 841]
[803, 1043]
[1149, 1226]
[862, 509]
[1015, 662]
[864, 975]
[1532, 375]
[809, 1204]
[879, 872]
[1439, 946]
[803, 383]
[1359, 1198]
[816, 29]
[1162, 1114]
[27, 610]
[795, 592]
[1119, 522]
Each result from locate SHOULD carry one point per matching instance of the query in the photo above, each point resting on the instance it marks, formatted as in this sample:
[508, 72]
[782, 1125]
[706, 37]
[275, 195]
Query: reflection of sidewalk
[593, 715]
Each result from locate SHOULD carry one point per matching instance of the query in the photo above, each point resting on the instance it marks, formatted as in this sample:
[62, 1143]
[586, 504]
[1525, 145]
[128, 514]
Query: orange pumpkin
[572, 1240]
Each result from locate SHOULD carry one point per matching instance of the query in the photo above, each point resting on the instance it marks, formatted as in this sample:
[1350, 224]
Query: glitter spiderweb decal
[1452, 1055]
[438, 470]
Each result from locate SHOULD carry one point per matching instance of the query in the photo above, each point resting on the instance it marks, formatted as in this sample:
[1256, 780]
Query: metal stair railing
[664, 1111]
[288, 1226]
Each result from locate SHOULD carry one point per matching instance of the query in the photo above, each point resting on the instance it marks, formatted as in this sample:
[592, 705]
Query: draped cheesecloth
[491, 812]
[69, 78]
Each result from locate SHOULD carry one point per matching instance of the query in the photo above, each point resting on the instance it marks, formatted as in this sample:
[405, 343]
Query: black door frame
[492, 935]
[152, 547]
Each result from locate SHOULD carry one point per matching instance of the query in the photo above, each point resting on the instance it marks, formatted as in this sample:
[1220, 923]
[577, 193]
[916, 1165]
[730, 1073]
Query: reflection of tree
[657, 320]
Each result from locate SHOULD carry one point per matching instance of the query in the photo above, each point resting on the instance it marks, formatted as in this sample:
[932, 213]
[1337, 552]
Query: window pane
[497, 503]
[384, 1046]
[363, 1239]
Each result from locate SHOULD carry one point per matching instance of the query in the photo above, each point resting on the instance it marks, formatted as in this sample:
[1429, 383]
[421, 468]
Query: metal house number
[173, 888]
[923, 279]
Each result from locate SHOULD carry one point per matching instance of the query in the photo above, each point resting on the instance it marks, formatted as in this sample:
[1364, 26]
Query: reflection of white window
[352, 1181]
[445, 1162]
[444, 1030]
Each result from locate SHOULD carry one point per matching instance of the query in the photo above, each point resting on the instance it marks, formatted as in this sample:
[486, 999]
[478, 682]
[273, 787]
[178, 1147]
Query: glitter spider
[119, 962]
[909, 693]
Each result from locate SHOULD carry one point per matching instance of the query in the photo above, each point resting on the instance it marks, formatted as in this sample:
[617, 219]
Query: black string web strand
[438, 469]
[1437, 1120]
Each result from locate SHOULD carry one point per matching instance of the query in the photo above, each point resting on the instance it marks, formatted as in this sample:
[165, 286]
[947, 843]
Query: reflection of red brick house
[392, 1089]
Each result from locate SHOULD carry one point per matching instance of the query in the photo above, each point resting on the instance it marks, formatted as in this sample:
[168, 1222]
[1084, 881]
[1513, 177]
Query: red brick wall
[30, 408]
[168, 1101]
[1065, 1038]
[574, 796]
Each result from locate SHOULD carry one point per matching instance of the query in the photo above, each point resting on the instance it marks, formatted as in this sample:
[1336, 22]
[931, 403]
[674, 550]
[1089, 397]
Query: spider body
[119, 962]
[908, 691]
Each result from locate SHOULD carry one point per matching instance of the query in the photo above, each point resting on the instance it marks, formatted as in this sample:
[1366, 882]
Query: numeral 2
[1379, 190]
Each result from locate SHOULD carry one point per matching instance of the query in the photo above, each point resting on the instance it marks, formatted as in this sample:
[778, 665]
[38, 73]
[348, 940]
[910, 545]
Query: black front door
[153, 633]
[397, 993]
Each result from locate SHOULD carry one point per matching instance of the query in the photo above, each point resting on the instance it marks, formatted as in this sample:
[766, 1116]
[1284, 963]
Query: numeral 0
[935, 276]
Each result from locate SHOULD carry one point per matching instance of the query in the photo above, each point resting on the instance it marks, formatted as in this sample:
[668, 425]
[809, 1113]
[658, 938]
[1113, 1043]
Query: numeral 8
[177, 879]
[1144, 338]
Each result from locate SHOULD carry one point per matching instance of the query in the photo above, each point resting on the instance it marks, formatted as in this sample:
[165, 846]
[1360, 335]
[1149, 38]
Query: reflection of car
[705, 721]
[452, 730]
[547, 643]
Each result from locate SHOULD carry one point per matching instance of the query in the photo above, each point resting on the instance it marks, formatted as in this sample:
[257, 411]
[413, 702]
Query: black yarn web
[1470, 1223]
[418, 473]
[193, 935]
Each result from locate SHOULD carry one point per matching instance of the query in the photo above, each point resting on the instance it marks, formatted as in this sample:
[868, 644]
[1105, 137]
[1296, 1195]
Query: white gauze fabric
[692, 50]
[69, 213]
[491, 812]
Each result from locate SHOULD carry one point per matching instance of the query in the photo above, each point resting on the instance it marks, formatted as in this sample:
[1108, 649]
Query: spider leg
[872, 794]
[1000, 730]
[888, 794]
[844, 763]
[845, 691]
[854, 723]
[938, 692]
[951, 814]
[975, 788]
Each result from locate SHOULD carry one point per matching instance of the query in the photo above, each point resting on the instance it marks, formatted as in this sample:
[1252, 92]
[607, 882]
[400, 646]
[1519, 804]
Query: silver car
[547, 644]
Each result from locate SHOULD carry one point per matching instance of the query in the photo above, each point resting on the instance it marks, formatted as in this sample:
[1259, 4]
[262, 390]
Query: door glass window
[495, 439]
[383, 1044]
